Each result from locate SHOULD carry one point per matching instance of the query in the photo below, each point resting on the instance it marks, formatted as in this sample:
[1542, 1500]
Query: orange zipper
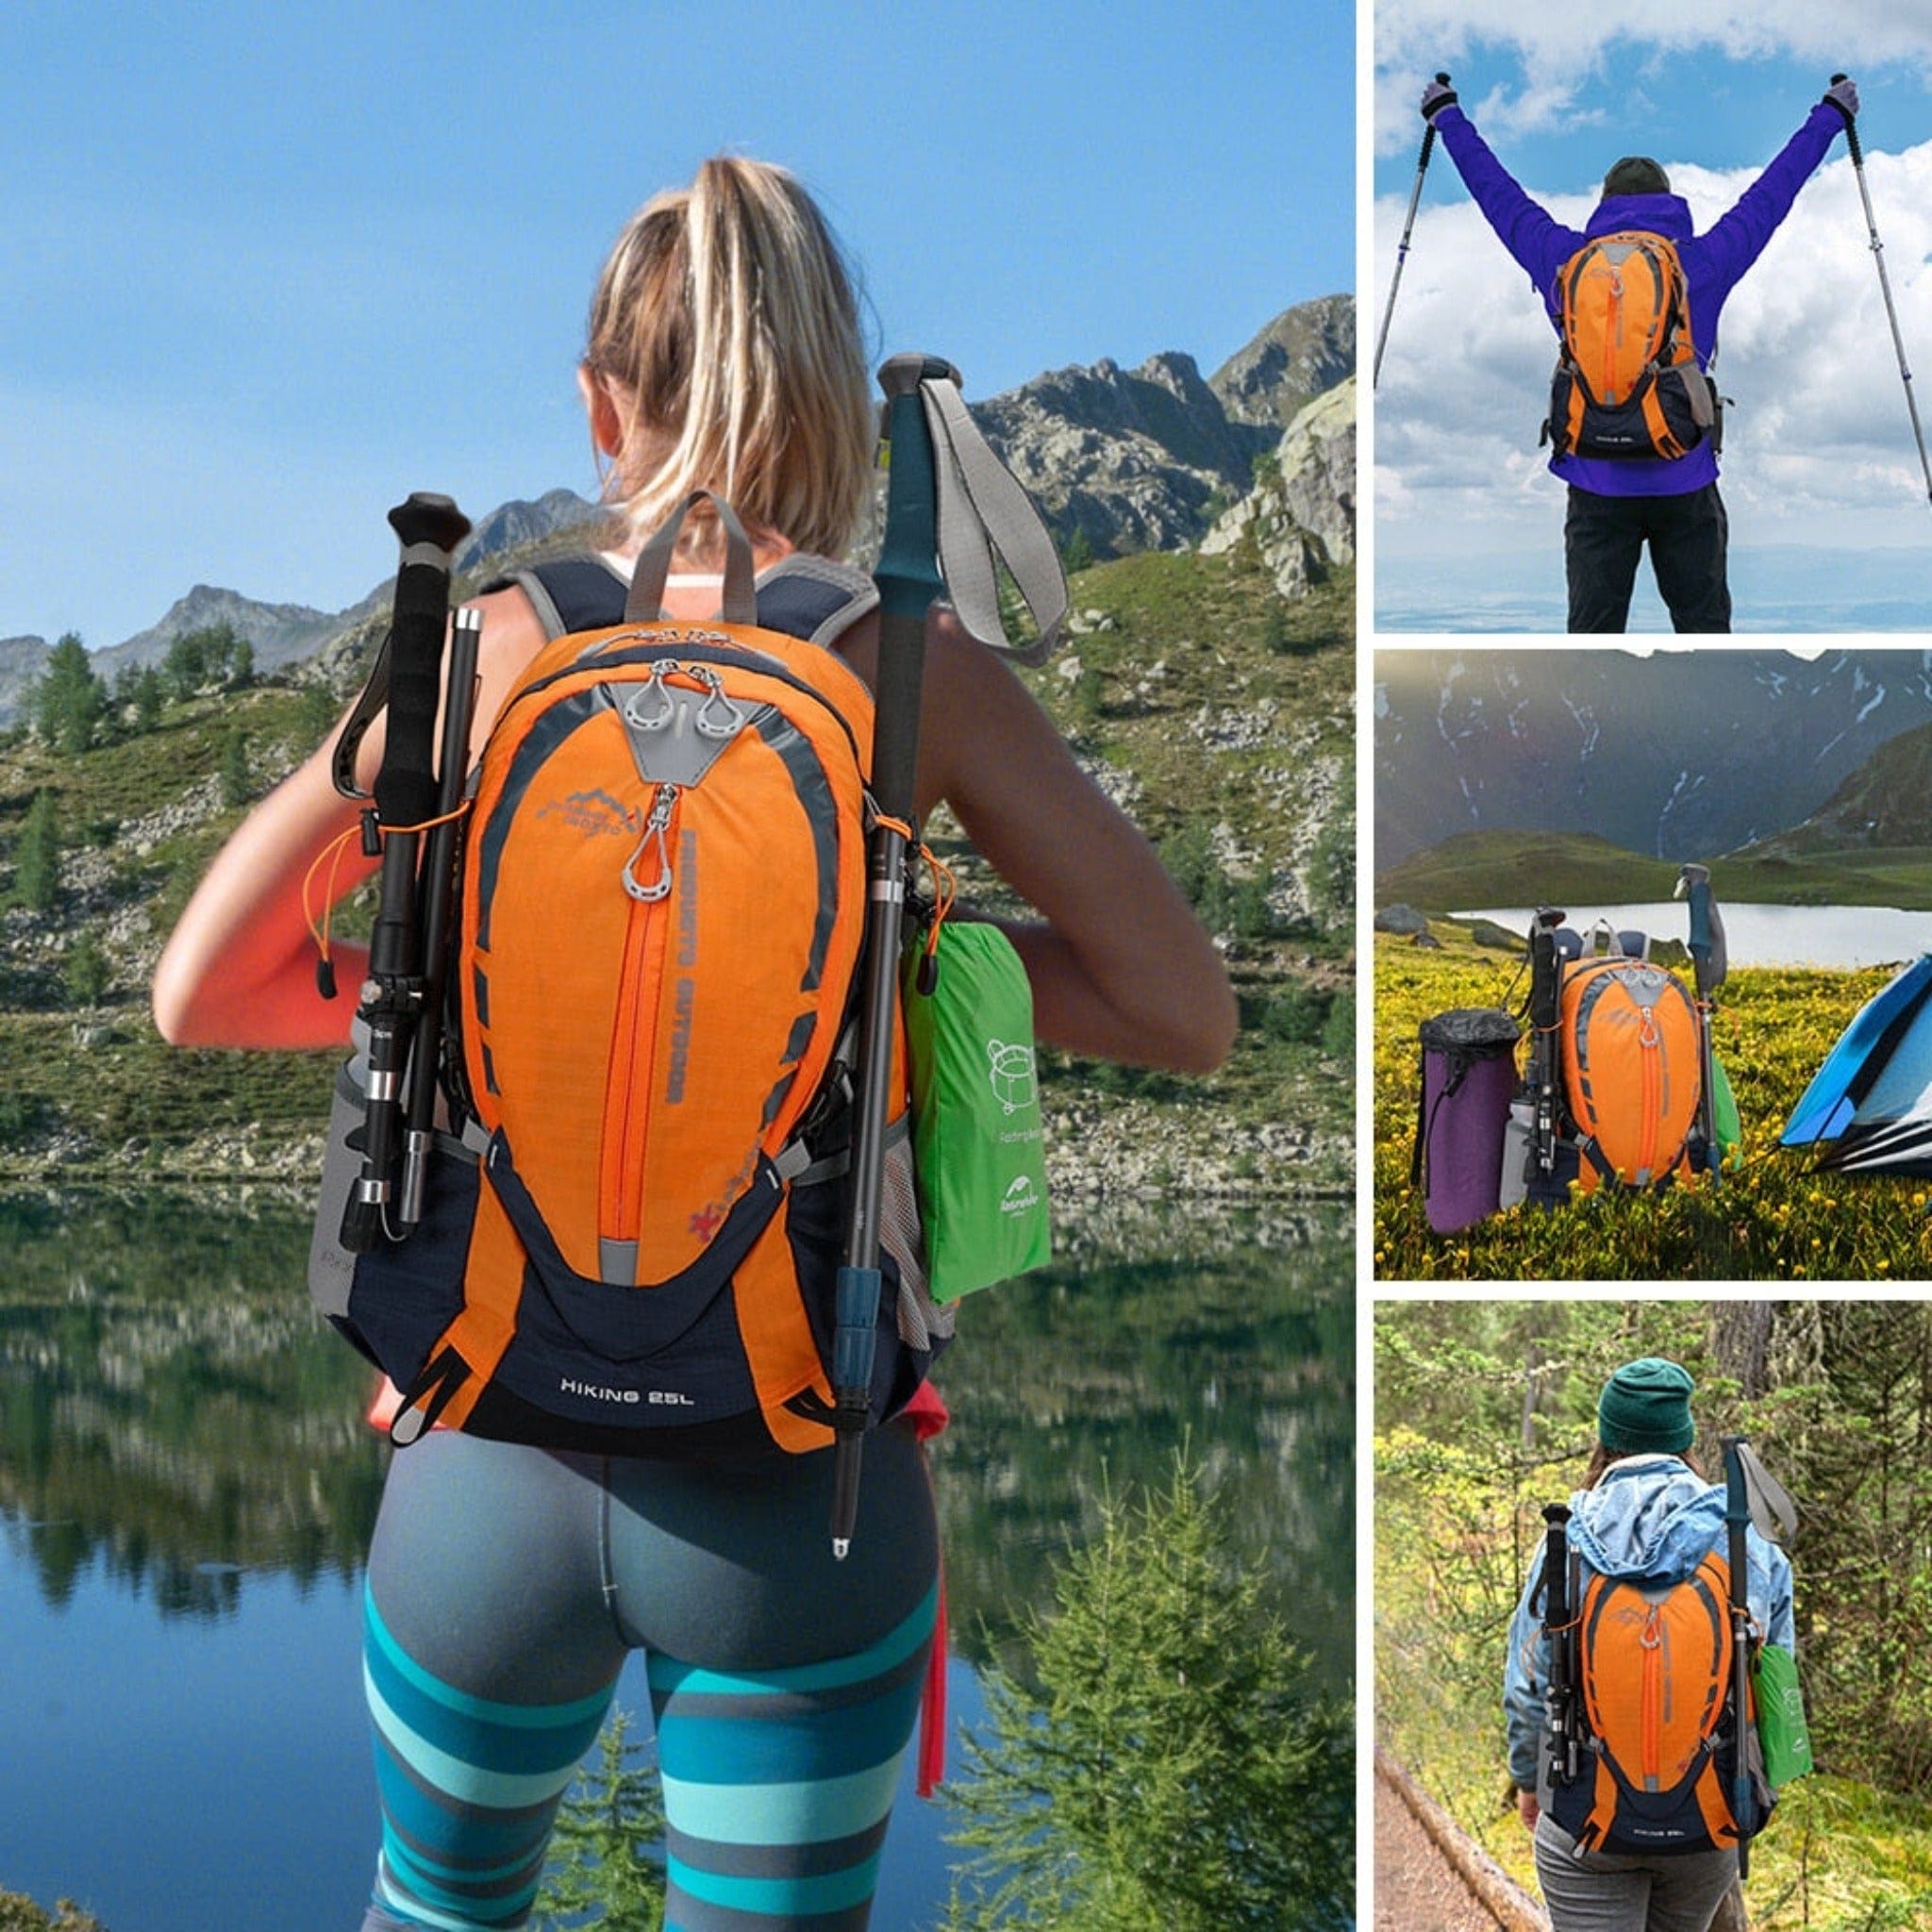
[634, 1042]
[1613, 337]
[1652, 1721]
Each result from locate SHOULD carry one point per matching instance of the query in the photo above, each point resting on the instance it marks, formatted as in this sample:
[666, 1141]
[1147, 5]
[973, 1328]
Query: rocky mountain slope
[1134, 459]
[1884, 805]
[1676, 755]
[1303, 352]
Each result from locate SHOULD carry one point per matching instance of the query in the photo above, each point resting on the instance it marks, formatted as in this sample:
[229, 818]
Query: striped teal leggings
[507, 1585]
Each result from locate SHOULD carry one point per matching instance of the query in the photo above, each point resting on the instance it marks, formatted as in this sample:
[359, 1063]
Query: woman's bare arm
[238, 969]
[1119, 965]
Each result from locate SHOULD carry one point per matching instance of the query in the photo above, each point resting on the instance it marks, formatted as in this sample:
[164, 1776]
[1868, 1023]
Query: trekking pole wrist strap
[985, 513]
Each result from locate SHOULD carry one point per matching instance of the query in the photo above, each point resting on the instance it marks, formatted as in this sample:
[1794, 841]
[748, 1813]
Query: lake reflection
[1836, 936]
[187, 1490]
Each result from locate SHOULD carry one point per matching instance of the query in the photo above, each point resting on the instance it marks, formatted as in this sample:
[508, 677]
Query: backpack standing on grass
[1647, 1598]
[1635, 299]
[509, 1579]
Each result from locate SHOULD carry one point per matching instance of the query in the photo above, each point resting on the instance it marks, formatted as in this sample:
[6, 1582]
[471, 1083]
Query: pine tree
[1174, 1770]
[85, 972]
[237, 786]
[610, 1824]
[69, 702]
[37, 857]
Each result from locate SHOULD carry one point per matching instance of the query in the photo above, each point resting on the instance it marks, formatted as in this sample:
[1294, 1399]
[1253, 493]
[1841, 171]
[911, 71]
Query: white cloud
[1819, 439]
[1562, 48]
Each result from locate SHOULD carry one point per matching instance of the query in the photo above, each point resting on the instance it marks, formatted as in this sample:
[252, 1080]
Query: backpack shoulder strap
[569, 593]
[814, 598]
[804, 596]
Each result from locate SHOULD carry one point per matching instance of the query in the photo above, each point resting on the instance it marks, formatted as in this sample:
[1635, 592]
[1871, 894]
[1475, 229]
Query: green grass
[1771, 1219]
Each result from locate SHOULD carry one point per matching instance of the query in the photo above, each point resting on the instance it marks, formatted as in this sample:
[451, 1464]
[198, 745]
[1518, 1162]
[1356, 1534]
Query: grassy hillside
[1220, 717]
[1519, 868]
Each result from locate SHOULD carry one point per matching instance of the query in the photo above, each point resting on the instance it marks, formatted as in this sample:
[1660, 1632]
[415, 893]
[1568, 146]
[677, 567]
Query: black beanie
[1636, 175]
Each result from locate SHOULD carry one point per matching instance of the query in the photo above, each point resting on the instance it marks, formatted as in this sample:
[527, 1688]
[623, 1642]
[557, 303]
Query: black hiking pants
[1604, 537]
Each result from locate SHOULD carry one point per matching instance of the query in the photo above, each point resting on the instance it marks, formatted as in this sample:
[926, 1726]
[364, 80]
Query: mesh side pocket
[922, 1323]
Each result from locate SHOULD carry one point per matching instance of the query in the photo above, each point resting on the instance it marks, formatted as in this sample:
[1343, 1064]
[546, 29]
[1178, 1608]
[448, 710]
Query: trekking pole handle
[428, 527]
[1429, 131]
[1850, 128]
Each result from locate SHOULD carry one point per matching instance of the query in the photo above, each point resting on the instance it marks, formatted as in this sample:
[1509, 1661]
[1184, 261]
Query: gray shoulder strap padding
[983, 513]
[854, 590]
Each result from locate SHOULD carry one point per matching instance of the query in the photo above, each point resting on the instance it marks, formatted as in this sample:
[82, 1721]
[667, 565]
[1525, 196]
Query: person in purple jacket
[1617, 505]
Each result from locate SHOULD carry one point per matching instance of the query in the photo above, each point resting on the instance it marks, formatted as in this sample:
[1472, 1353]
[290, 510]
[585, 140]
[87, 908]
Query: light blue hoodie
[1650, 1518]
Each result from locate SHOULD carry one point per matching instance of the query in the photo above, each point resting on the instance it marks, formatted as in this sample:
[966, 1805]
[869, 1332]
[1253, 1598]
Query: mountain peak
[1303, 352]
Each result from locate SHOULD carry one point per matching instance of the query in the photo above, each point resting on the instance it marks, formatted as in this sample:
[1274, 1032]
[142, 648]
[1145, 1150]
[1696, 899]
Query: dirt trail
[1430, 1875]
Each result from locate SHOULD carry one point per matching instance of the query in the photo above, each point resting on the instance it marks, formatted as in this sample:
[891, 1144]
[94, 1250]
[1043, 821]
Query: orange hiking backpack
[661, 909]
[1627, 381]
[1632, 1071]
[1654, 1674]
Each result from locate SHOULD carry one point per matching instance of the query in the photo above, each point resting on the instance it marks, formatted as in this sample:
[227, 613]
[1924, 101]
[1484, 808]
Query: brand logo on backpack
[596, 814]
[1628, 382]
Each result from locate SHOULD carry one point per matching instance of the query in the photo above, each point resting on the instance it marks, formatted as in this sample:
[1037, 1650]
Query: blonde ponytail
[726, 327]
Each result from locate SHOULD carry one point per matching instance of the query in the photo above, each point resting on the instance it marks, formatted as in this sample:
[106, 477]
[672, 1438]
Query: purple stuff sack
[1468, 1080]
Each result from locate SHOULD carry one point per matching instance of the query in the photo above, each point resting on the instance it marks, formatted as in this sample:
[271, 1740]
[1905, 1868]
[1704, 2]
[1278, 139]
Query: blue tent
[1872, 1099]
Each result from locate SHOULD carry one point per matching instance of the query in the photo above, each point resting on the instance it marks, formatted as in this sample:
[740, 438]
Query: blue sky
[268, 269]
[1819, 449]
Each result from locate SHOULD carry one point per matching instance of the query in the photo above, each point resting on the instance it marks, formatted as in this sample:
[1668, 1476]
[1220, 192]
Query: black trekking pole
[1415, 195]
[1737, 1520]
[435, 890]
[1708, 955]
[429, 529]
[1898, 341]
[1546, 987]
[1558, 1619]
[909, 583]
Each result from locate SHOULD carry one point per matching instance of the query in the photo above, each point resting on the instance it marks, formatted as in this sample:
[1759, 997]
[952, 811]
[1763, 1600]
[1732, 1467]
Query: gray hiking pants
[1599, 1892]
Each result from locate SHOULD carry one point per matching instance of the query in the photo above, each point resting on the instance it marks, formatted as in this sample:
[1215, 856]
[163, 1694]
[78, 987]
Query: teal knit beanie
[1645, 1410]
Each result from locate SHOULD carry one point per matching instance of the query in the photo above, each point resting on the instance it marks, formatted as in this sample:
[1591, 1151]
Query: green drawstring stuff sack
[1782, 1733]
[978, 1151]
[1723, 1114]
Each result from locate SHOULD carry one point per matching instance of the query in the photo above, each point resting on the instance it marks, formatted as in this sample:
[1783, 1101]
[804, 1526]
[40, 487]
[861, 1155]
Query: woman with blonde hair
[507, 1584]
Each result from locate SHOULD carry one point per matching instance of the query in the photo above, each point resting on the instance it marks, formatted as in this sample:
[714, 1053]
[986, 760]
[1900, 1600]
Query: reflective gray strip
[565, 717]
[821, 814]
[617, 1262]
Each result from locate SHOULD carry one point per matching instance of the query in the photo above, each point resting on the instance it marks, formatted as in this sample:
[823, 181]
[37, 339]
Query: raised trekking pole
[1736, 1520]
[1898, 341]
[1415, 195]
[909, 583]
[429, 529]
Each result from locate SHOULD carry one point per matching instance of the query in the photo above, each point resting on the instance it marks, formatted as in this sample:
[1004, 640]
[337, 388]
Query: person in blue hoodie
[1646, 1512]
[1618, 504]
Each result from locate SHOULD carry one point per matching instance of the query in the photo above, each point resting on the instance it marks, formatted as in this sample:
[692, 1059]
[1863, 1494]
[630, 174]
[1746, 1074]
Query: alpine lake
[186, 1487]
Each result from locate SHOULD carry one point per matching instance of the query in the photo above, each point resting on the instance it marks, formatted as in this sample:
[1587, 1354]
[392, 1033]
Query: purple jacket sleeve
[1738, 237]
[1539, 243]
